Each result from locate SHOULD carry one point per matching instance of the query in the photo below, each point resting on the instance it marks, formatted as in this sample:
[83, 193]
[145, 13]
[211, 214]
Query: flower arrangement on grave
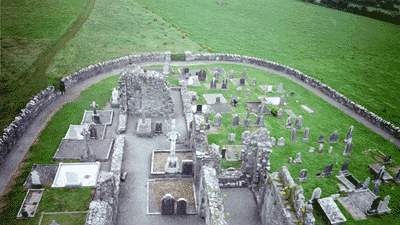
[274, 112]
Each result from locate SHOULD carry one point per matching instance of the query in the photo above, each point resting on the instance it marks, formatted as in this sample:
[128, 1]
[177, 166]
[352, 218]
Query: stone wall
[231, 178]
[378, 121]
[104, 207]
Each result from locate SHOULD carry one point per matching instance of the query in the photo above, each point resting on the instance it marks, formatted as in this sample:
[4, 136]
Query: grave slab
[74, 131]
[331, 210]
[266, 88]
[231, 156]
[73, 149]
[83, 173]
[46, 172]
[194, 81]
[106, 116]
[273, 101]
[236, 82]
[221, 108]
[213, 70]
[352, 208]
[290, 113]
[211, 98]
[375, 169]
[363, 198]
[307, 109]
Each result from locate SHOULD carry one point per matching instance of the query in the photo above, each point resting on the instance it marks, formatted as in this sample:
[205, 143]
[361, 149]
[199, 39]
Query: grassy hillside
[355, 55]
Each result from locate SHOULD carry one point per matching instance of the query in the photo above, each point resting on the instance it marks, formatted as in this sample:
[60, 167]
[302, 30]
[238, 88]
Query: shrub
[274, 112]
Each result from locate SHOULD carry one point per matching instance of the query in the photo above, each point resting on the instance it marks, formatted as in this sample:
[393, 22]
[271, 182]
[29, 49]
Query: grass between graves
[326, 120]
[43, 152]
[353, 54]
[79, 218]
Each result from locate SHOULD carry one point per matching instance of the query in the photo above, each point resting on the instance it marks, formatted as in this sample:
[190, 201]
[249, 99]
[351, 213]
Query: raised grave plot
[236, 82]
[266, 88]
[273, 101]
[76, 175]
[160, 70]
[375, 169]
[307, 109]
[220, 70]
[30, 204]
[74, 131]
[106, 116]
[211, 98]
[331, 211]
[73, 149]
[46, 172]
[352, 208]
[363, 198]
[178, 188]
[159, 159]
[221, 108]
[193, 81]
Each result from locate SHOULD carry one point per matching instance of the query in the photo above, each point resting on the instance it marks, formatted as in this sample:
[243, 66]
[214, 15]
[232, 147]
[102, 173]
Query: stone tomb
[330, 211]
[76, 175]
[193, 81]
[375, 170]
[236, 82]
[106, 116]
[160, 156]
[220, 70]
[46, 173]
[144, 127]
[75, 131]
[211, 98]
[273, 101]
[266, 88]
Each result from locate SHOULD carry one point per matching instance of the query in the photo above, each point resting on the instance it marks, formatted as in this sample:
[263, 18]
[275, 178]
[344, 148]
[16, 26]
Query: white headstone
[281, 142]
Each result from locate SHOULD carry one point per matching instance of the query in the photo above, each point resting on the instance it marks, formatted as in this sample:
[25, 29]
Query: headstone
[246, 136]
[311, 150]
[232, 99]
[281, 142]
[53, 222]
[94, 106]
[345, 168]
[114, 96]
[247, 92]
[166, 68]
[185, 71]
[223, 152]
[290, 160]
[242, 81]
[199, 108]
[383, 205]
[239, 90]
[282, 100]
[327, 170]
[218, 100]
[92, 131]
[95, 117]
[374, 207]
[167, 205]
[303, 175]
[334, 137]
[217, 120]
[216, 75]
[298, 158]
[220, 70]
[376, 187]
[289, 123]
[224, 83]
[366, 183]
[294, 135]
[158, 128]
[246, 121]
[213, 83]
[265, 110]
[299, 122]
[35, 178]
[254, 82]
[181, 205]
[231, 74]
[235, 121]
[315, 195]
[260, 121]
[231, 137]
[187, 167]
[280, 113]
[273, 141]
[330, 150]
[347, 149]
[349, 134]
[387, 160]
[280, 88]
[321, 139]
[244, 74]
[202, 75]
[306, 134]
[380, 174]
[321, 148]
[397, 177]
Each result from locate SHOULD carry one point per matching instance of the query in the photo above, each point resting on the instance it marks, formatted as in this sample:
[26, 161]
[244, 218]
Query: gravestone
[231, 137]
[306, 134]
[294, 135]
[380, 174]
[246, 136]
[334, 137]
[167, 205]
[239, 90]
[218, 100]
[347, 149]
[280, 113]
[299, 122]
[185, 71]
[290, 160]
[158, 128]
[327, 170]
[387, 160]
[330, 150]
[349, 134]
[246, 121]
[166, 68]
[231, 74]
[224, 83]
[376, 187]
[374, 207]
[223, 152]
[199, 108]
[281, 142]
[321, 148]
[92, 131]
[202, 75]
[280, 88]
[383, 205]
[282, 100]
[95, 117]
[231, 101]
[35, 179]
[303, 175]
[242, 81]
[247, 92]
[321, 139]
[265, 110]
[235, 121]
[298, 158]
[345, 168]
[259, 121]
[315, 195]
[216, 75]
[254, 82]
[244, 74]
[181, 205]
[114, 101]
[217, 120]
[212, 84]
[187, 167]
[273, 141]
[220, 70]
[311, 150]
[289, 123]
[397, 177]
[366, 183]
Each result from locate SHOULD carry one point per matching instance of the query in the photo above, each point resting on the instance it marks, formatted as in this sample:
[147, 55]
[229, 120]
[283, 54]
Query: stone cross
[282, 100]
[173, 136]
[254, 82]
[349, 134]
[298, 158]
[306, 134]
[303, 175]
[88, 151]
[347, 149]
[383, 205]
[244, 75]
[94, 106]
[334, 137]
[299, 122]
[294, 135]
